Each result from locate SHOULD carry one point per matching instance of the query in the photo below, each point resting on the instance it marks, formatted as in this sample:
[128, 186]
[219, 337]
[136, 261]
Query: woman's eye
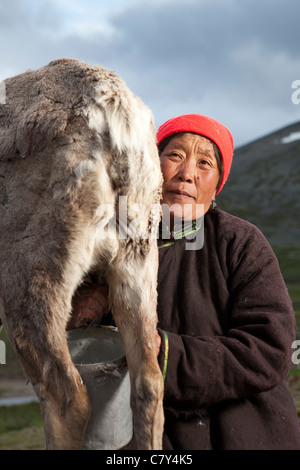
[176, 155]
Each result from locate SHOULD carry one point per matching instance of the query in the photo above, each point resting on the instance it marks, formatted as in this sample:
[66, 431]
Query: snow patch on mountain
[290, 138]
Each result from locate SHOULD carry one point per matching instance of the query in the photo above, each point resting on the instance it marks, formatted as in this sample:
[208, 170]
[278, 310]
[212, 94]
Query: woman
[226, 323]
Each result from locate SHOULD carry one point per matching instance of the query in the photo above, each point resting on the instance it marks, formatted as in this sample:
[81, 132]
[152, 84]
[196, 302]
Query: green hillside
[264, 188]
[264, 185]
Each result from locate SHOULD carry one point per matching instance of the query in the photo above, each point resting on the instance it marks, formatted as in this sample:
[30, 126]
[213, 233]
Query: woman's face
[191, 175]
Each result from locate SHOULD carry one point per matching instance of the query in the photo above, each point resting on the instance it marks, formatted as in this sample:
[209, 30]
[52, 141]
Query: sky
[233, 60]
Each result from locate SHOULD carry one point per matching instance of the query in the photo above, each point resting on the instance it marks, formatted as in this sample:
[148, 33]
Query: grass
[31, 438]
[21, 427]
[14, 418]
[289, 261]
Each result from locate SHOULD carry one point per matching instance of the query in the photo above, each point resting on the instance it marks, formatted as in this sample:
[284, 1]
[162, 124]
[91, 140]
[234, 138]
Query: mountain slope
[264, 185]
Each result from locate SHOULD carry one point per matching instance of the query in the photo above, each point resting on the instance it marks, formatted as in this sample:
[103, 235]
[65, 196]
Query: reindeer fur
[73, 138]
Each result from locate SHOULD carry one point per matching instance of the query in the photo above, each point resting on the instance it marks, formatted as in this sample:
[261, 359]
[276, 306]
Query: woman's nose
[186, 172]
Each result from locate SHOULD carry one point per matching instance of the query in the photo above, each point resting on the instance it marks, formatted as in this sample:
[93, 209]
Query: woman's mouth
[180, 194]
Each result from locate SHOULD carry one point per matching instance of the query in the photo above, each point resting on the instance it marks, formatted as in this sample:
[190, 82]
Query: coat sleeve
[255, 353]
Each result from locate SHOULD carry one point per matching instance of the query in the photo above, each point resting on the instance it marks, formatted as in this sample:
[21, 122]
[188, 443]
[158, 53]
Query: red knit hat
[206, 126]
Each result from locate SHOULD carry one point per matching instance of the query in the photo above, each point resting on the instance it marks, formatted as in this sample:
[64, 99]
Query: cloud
[230, 59]
[233, 60]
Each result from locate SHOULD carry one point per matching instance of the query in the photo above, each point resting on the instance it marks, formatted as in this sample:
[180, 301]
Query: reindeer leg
[65, 408]
[39, 338]
[132, 283]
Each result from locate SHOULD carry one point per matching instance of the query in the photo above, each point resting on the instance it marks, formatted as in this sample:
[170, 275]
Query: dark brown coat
[230, 327]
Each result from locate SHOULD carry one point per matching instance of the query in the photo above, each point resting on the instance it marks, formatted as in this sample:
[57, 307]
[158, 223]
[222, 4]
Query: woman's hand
[89, 304]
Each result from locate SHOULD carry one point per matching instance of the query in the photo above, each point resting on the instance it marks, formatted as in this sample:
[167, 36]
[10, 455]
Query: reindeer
[74, 138]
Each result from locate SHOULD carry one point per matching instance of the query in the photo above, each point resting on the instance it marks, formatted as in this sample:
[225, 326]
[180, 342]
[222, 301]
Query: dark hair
[218, 155]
